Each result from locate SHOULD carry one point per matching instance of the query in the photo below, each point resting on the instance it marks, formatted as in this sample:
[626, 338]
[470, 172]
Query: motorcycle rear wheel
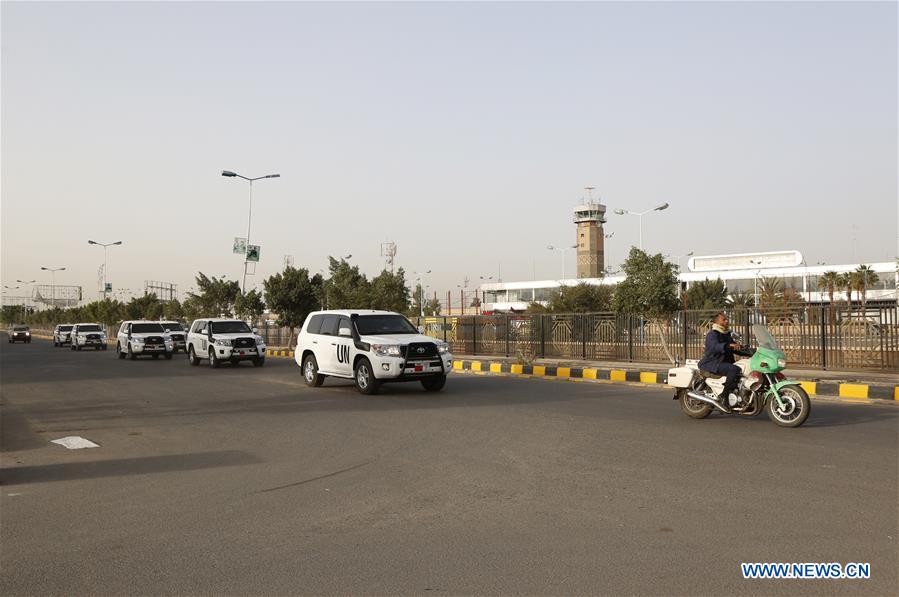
[692, 408]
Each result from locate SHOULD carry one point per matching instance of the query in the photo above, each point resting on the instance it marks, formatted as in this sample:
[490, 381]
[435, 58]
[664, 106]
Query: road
[244, 481]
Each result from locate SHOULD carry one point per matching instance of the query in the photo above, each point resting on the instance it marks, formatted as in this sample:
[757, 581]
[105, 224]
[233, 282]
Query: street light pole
[231, 174]
[562, 251]
[53, 271]
[105, 249]
[421, 291]
[640, 214]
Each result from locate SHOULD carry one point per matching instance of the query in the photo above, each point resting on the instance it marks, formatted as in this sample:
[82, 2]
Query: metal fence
[825, 337]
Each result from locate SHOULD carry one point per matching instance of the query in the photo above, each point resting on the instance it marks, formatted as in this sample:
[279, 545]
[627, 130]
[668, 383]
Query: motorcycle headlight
[223, 342]
[442, 347]
[386, 350]
[781, 362]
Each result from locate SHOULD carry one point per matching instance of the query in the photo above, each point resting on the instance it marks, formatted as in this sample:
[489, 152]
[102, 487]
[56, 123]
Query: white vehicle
[371, 348]
[143, 337]
[86, 335]
[177, 333]
[62, 334]
[224, 340]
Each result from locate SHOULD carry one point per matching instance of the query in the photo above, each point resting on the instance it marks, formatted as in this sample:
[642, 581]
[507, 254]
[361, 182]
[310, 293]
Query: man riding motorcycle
[719, 355]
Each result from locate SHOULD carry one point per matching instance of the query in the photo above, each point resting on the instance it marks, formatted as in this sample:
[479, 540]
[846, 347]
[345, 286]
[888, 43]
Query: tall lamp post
[562, 251]
[105, 259]
[640, 214]
[53, 271]
[230, 174]
[421, 291]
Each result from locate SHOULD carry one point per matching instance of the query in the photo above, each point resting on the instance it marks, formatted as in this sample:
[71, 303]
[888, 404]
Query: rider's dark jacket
[717, 350]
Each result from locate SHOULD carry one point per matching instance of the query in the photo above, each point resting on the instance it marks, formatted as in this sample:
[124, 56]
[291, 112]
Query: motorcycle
[762, 386]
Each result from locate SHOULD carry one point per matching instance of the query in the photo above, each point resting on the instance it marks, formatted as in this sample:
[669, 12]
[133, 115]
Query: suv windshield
[89, 328]
[20, 328]
[376, 325]
[229, 327]
[65, 328]
[146, 328]
[173, 327]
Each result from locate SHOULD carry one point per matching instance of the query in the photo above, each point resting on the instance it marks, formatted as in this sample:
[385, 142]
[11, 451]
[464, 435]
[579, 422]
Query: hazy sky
[463, 132]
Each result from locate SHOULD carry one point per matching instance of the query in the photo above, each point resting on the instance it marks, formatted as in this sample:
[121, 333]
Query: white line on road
[75, 442]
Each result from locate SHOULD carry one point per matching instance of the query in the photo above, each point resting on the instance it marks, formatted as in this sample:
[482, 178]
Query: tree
[347, 288]
[389, 291]
[249, 306]
[12, 314]
[292, 295]
[142, 307]
[706, 294]
[741, 299]
[830, 281]
[580, 298]
[648, 290]
[216, 296]
[172, 310]
[844, 281]
[865, 277]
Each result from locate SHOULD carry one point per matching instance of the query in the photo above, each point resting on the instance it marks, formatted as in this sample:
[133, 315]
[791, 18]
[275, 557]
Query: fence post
[686, 339]
[444, 328]
[507, 334]
[823, 338]
[543, 335]
[630, 338]
[585, 319]
[474, 335]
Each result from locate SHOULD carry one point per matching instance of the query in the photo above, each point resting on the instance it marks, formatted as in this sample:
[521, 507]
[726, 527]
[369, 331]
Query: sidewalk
[878, 385]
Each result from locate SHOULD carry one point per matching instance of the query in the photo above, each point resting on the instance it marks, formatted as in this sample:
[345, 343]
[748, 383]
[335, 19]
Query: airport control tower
[589, 217]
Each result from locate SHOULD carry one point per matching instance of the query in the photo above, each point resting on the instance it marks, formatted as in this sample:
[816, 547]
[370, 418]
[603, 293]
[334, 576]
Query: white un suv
[86, 335]
[62, 334]
[137, 338]
[224, 340]
[371, 348]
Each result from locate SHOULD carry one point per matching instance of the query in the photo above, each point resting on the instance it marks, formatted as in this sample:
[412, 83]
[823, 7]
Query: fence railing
[825, 337]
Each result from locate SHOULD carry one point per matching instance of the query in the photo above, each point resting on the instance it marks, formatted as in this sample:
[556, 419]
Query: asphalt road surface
[244, 481]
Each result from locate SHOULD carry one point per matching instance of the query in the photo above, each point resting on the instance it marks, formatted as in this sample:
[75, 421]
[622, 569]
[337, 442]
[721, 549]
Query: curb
[850, 391]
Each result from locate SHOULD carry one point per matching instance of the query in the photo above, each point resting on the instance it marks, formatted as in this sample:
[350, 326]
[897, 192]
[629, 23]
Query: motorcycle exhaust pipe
[707, 400]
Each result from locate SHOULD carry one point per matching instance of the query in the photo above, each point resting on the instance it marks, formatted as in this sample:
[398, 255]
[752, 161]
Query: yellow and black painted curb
[851, 391]
[286, 354]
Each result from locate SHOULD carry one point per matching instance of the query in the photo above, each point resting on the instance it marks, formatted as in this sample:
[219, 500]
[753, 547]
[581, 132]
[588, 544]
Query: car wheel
[131, 354]
[155, 357]
[434, 384]
[192, 357]
[313, 378]
[168, 356]
[365, 378]
[78, 347]
[213, 360]
[104, 347]
[257, 362]
[118, 351]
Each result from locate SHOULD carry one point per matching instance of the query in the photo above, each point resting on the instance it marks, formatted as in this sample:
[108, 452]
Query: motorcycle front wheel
[692, 408]
[795, 409]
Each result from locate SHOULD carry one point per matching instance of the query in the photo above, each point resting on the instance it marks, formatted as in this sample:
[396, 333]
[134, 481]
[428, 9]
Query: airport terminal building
[741, 272]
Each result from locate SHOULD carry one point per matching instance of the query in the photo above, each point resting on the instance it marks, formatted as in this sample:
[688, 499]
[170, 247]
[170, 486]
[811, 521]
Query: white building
[739, 272]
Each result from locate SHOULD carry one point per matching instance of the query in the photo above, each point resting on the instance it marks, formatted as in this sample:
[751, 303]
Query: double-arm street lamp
[230, 174]
[421, 290]
[562, 251]
[105, 251]
[640, 214]
[53, 271]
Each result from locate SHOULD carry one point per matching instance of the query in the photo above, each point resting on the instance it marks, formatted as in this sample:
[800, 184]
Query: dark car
[20, 332]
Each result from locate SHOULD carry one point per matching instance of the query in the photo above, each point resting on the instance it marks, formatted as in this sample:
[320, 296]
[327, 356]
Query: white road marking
[74, 442]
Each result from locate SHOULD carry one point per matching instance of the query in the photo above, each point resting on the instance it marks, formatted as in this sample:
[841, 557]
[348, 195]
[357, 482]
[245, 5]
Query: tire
[55, 344]
[213, 360]
[798, 407]
[131, 354]
[257, 362]
[73, 346]
[434, 384]
[168, 356]
[155, 357]
[118, 351]
[192, 356]
[78, 348]
[364, 377]
[104, 347]
[692, 408]
[313, 378]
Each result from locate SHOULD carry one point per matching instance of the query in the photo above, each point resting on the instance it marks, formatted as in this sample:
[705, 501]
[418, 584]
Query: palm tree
[844, 281]
[866, 276]
[830, 281]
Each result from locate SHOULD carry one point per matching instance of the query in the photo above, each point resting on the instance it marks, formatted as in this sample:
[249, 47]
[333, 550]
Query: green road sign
[240, 245]
[108, 287]
[253, 253]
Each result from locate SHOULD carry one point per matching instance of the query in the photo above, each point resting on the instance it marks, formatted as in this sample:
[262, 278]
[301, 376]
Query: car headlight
[781, 363]
[27, 333]
[222, 342]
[260, 341]
[386, 350]
[442, 347]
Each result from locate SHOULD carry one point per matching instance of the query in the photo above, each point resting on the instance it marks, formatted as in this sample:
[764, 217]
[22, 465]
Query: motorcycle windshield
[764, 337]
